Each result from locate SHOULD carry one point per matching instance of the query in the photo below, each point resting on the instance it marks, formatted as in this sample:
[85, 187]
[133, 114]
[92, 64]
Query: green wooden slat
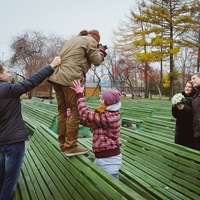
[88, 185]
[108, 180]
[142, 181]
[159, 177]
[164, 146]
[35, 178]
[36, 112]
[84, 170]
[147, 180]
[44, 189]
[163, 164]
[29, 184]
[163, 123]
[77, 174]
[145, 157]
[77, 186]
[155, 129]
[158, 135]
[53, 167]
[41, 175]
[131, 182]
[51, 180]
[167, 157]
[152, 159]
[173, 161]
[65, 172]
[22, 187]
[171, 157]
[17, 194]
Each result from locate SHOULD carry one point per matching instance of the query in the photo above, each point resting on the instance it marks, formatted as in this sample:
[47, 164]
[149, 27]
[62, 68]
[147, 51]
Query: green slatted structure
[47, 174]
[153, 166]
[158, 128]
[157, 169]
[36, 112]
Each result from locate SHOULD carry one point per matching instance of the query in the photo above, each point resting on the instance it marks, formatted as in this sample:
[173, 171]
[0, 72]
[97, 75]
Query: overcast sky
[61, 17]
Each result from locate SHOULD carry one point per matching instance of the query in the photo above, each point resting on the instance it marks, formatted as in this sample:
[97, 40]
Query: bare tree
[32, 50]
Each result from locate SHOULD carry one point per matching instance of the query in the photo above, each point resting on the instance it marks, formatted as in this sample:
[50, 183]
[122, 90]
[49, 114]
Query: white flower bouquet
[178, 98]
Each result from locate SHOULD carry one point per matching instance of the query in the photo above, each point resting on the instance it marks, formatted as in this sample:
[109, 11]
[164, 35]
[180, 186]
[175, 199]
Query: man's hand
[56, 62]
[76, 86]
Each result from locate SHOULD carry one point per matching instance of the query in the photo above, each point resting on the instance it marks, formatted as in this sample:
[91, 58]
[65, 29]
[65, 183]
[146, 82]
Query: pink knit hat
[111, 96]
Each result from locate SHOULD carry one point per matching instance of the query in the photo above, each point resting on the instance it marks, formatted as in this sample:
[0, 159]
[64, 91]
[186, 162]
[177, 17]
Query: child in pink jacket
[105, 126]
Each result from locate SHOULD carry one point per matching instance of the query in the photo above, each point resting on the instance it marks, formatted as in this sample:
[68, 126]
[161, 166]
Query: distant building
[92, 89]
[44, 90]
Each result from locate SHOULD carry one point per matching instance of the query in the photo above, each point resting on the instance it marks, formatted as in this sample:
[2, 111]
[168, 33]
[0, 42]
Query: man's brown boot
[62, 149]
[75, 150]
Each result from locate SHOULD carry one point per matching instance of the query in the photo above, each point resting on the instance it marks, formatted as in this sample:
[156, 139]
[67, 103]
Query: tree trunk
[146, 89]
[171, 93]
[159, 91]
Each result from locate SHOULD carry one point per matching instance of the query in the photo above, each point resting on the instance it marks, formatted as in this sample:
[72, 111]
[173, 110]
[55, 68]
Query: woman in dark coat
[184, 134]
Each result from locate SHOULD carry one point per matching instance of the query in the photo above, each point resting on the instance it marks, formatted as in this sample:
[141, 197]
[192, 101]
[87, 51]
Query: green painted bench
[47, 174]
[158, 128]
[36, 113]
[37, 99]
[160, 108]
[157, 169]
[129, 115]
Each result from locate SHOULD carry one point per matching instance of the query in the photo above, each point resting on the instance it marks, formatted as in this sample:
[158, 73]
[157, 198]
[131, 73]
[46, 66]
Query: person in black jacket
[13, 132]
[184, 134]
[196, 109]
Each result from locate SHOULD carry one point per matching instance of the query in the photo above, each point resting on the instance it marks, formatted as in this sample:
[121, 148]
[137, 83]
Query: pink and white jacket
[106, 129]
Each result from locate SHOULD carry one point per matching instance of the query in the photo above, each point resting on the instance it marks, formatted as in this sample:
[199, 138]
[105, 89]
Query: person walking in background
[105, 127]
[196, 110]
[184, 134]
[77, 54]
[13, 132]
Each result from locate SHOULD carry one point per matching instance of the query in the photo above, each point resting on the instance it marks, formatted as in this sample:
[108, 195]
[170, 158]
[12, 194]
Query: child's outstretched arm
[76, 86]
[68, 112]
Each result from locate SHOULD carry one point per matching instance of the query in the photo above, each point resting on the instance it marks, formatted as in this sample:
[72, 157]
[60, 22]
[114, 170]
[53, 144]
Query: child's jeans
[110, 164]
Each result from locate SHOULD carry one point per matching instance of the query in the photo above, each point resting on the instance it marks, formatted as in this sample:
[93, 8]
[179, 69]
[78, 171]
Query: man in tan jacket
[77, 55]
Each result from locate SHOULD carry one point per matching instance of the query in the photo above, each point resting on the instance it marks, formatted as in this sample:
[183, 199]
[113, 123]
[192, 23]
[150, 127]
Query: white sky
[61, 17]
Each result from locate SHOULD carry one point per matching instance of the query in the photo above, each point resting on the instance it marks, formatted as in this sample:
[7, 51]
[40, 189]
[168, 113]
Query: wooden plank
[41, 179]
[88, 171]
[17, 194]
[159, 160]
[29, 184]
[163, 123]
[131, 181]
[181, 173]
[157, 134]
[149, 156]
[165, 146]
[74, 180]
[51, 179]
[156, 171]
[108, 184]
[24, 195]
[35, 183]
